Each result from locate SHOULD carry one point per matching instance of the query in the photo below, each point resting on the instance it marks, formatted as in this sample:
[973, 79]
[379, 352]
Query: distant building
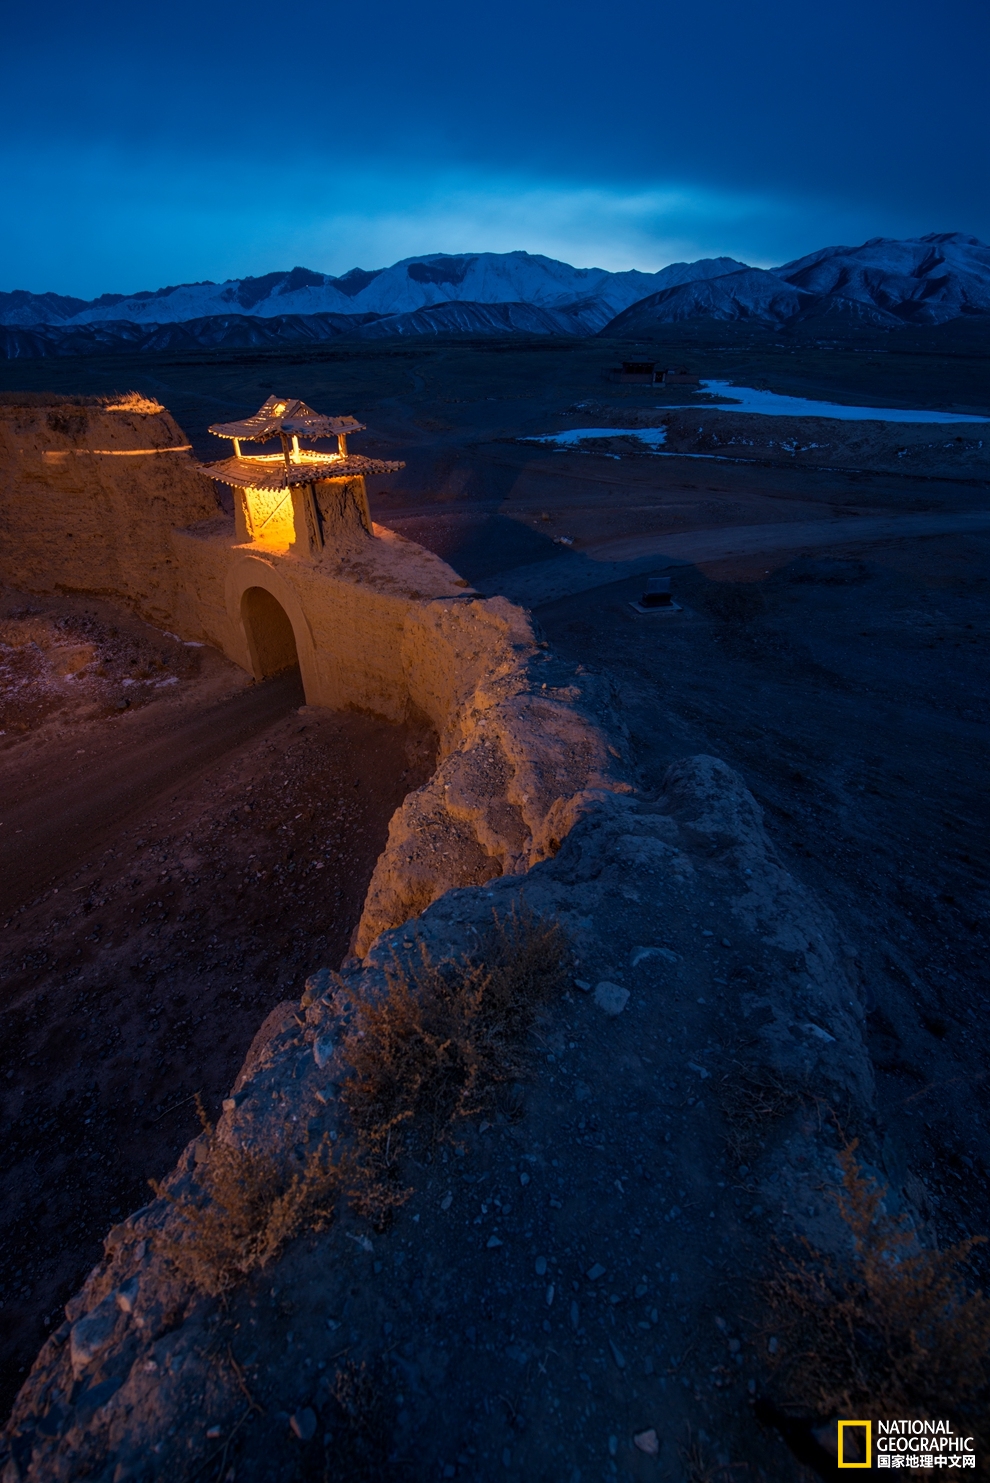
[645, 373]
[634, 373]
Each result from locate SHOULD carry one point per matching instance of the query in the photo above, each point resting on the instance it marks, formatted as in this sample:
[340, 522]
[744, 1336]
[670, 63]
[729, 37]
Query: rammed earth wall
[609, 1168]
[89, 497]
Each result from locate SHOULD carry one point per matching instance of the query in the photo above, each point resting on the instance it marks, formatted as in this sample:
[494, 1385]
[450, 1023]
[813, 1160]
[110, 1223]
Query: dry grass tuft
[132, 401]
[251, 1204]
[892, 1331]
[442, 1044]
[751, 1100]
[128, 401]
[698, 1469]
[363, 1425]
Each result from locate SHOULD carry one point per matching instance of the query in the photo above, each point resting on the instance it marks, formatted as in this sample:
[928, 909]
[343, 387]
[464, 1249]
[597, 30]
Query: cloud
[589, 225]
[102, 220]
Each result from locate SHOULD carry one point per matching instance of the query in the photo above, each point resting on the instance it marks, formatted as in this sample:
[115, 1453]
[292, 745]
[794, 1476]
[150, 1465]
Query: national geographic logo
[924, 1445]
[855, 1438]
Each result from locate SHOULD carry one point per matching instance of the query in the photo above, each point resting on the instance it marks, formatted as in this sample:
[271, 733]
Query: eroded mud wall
[89, 494]
[385, 626]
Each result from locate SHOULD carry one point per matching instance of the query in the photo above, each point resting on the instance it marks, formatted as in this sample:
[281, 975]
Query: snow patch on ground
[770, 404]
[653, 437]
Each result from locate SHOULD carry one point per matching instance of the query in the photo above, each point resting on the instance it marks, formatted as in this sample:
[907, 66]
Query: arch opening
[270, 635]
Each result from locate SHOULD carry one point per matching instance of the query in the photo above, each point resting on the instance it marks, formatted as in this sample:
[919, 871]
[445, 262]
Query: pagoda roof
[270, 471]
[285, 415]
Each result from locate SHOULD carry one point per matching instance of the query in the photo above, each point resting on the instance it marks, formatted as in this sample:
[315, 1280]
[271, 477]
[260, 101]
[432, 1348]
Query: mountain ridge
[406, 286]
[884, 283]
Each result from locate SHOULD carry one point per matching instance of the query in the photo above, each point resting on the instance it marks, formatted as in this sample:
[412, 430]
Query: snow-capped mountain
[885, 282]
[928, 279]
[751, 293]
[413, 284]
[921, 280]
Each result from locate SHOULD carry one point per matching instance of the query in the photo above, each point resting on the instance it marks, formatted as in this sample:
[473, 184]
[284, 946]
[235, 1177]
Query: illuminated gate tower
[300, 499]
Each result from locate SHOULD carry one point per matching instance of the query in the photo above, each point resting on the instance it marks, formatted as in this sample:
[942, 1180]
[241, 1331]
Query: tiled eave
[271, 472]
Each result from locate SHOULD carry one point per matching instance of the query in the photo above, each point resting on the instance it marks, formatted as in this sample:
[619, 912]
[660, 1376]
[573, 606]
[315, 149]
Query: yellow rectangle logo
[868, 1444]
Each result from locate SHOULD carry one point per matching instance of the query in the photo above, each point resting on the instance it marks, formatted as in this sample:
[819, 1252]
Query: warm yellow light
[306, 455]
[269, 517]
[56, 453]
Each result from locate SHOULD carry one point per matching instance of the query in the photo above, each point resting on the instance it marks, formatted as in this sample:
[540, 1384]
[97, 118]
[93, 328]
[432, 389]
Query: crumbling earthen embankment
[384, 626]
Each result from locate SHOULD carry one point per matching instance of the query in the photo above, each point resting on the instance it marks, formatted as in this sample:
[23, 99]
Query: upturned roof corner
[283, 415]
[290, 419]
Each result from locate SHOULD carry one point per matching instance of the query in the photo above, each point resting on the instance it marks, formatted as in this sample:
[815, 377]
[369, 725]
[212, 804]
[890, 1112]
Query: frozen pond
[747, 399]
[653, 437]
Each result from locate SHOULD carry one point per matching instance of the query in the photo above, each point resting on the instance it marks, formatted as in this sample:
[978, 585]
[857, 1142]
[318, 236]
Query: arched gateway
[292, 509]
[268, 629]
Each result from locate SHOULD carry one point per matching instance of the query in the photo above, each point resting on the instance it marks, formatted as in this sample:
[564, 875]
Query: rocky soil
[69, 661]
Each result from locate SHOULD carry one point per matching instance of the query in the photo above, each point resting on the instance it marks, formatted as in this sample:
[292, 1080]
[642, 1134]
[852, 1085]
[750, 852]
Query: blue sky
[145, 147]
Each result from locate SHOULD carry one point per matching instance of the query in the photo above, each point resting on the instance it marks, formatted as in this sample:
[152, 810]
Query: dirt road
[611, 561]
[61, 805]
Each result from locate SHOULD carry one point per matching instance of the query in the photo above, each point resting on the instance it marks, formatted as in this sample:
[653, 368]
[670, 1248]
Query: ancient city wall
[105, 498]
[382, 625]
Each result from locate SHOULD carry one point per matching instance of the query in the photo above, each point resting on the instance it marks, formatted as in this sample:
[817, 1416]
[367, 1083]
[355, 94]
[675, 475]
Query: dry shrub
[751, 1100]
[891, 1331]
[438, 1046]
[442, 1042]
[363, 1424]
[250, 1204]
[698, 1469]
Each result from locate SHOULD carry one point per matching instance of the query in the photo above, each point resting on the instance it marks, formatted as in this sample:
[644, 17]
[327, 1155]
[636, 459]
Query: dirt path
[61, 805]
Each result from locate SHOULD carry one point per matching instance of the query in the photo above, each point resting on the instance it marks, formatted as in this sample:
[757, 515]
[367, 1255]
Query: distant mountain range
[885, 282]
[593, 295]
[922, 280]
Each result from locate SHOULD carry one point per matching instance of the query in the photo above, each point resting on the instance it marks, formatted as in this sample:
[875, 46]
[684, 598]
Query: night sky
[148, 146]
